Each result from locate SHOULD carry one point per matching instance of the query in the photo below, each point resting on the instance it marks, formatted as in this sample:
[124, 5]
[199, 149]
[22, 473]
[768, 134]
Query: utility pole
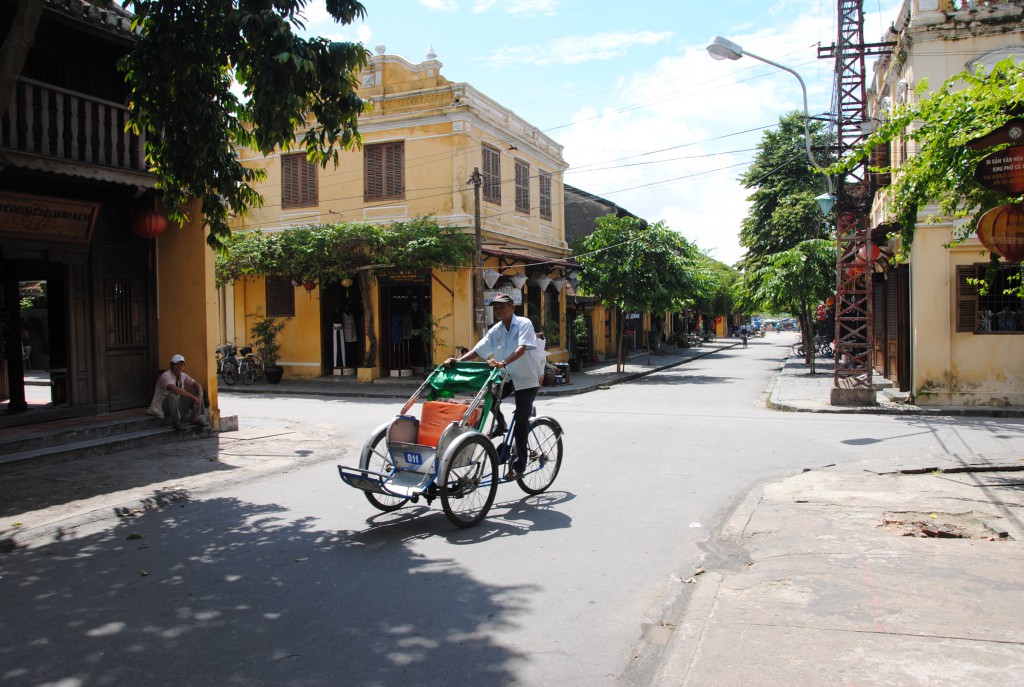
[478, 262]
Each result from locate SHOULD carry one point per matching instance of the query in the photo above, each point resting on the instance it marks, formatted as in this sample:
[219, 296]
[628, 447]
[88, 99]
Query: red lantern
[876, 252]
[1001, 230]
[831, 300]
[149, 224]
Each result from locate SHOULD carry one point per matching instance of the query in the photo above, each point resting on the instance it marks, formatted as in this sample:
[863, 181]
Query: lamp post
[724, 49]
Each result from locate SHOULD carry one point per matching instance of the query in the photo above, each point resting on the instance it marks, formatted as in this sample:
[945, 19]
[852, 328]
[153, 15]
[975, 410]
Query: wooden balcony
[52, 129]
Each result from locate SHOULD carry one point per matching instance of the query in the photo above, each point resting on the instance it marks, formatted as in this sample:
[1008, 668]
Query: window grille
[992, 312]
[492, 175]
[384, 171]
[298, 181]
[125, 326]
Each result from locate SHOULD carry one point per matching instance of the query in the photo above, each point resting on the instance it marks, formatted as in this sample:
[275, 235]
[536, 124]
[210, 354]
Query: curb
[774, 403]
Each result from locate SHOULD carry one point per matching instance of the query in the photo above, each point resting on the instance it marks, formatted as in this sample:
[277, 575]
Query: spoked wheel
[246, 372]
[229, 372]
[545, 459]
[470, 481]
[377, 459]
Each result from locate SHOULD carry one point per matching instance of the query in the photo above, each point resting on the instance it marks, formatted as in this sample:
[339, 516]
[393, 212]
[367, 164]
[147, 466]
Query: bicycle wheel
[470, 481]
[246, 371]
[377, 459]
[545, 456]
[798, 349]
[257, 363]
[229, 372]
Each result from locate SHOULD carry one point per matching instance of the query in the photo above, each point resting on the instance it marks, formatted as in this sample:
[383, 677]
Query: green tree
[635, 267]
[184, 69]
[795, 281]
[189, 56]
[783, 210]
[966, 107]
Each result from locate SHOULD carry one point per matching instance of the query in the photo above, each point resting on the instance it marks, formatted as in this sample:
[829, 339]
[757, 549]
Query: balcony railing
[56, 123]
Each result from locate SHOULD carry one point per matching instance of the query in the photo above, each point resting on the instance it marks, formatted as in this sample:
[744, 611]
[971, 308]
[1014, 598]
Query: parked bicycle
[822, 347]
[250, 366]
[227, 362]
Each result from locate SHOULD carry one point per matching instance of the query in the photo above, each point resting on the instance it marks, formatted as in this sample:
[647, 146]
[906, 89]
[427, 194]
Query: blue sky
[647, 118]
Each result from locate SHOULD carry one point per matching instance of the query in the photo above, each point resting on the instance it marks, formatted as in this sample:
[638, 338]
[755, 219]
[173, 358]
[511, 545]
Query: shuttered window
[522, 187]
[966, 299]
[298, 181]
[384, 171]
[492, 175]
[545, 196]
[280, 297]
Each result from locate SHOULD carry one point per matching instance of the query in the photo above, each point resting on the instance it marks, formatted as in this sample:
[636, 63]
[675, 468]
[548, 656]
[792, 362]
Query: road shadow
[223, 592]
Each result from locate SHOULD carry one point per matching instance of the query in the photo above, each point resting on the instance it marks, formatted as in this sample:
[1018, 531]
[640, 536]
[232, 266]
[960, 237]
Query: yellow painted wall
[300, 339]
[187, 303]
[951, 368]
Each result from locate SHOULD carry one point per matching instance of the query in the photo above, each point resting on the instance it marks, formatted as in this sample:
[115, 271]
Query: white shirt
[156, 407]
[501, 343]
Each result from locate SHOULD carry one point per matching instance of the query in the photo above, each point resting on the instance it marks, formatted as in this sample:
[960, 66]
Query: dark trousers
[524, 406]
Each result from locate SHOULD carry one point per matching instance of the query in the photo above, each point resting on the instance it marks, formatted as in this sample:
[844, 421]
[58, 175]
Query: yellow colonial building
[935, 335]
[430, 147]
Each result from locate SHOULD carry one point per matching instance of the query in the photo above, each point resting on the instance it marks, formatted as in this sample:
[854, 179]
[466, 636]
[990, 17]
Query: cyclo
[447, 452]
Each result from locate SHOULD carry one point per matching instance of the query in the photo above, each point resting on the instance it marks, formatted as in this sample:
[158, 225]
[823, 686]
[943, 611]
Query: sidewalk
[873, 576]
[591, 377]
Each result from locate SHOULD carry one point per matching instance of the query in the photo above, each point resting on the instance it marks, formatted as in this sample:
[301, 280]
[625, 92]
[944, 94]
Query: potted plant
[429, 334]
[264, 331]
[580, 338]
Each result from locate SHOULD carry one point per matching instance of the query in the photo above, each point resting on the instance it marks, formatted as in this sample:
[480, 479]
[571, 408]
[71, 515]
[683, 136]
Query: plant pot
[274, 373]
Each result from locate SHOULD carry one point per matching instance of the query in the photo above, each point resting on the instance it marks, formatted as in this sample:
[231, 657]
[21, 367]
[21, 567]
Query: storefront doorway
[406, 317]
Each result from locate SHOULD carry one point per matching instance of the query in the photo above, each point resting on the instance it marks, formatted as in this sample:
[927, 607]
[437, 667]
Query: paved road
[295, 580]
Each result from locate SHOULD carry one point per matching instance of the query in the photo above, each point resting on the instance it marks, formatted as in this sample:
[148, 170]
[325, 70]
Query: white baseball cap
[177, 358]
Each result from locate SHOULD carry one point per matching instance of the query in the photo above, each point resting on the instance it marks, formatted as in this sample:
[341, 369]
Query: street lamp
[724, 49]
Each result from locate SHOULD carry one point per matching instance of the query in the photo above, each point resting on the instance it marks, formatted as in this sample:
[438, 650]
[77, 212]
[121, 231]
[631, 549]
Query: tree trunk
[15, 49]
[370, 359]
[620, 353]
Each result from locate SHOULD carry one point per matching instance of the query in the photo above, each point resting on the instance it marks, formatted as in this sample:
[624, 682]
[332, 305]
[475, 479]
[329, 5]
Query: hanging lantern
[309, 285]
[543, 281]
[1001, 231]
[491, 277]
[831, 300]
[876, 252]
[559, 284]
[346, 282]
[519, 279]
[149, 224]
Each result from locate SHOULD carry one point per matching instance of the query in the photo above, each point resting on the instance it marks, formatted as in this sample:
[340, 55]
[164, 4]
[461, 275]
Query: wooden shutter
[289, 181]
[373, 168]
[280, 297]
[522, 187]
[966, 299]
[492, 175]
[307, 182]
[881, 157]
[394, 169]
[545, 196]
[298, 181]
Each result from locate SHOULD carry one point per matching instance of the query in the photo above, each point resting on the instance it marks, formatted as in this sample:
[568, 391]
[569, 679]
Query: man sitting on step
[177, 395]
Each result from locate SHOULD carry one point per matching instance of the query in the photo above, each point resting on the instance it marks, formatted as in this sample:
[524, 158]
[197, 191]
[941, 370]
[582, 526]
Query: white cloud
[440, 5]
[526, 7]
[577, 49]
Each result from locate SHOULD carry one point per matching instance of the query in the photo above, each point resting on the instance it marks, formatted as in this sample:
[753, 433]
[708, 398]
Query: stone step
[73, 449]
[79, 431]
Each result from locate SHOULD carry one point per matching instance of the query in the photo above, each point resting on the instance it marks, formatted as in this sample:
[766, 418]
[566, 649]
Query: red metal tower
[852, 383]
